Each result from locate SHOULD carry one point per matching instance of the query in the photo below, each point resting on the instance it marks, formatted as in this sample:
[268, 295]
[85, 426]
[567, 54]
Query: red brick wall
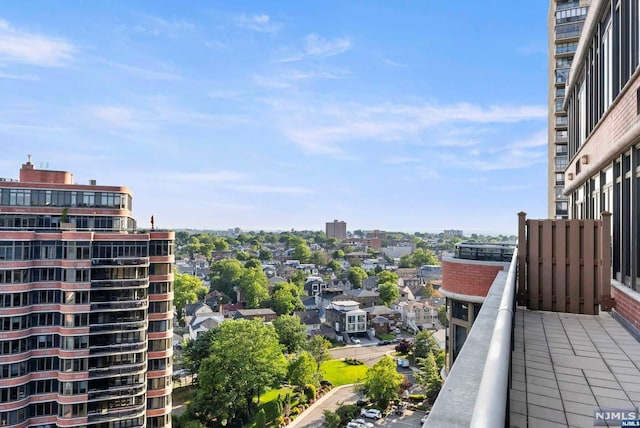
[467, 278]
[627, 306]
[28, 174]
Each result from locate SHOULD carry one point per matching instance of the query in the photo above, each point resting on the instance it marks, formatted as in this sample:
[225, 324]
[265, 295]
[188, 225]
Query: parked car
[363, 423]
[353, 424]
[425, 417]
[361, 403]
[356, 341]
[400, 409]
[371, 413]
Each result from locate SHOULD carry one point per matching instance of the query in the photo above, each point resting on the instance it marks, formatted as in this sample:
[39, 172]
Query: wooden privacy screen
[565, 265]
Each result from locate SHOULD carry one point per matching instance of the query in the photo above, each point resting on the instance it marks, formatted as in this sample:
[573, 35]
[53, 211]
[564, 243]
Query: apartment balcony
[534, 358]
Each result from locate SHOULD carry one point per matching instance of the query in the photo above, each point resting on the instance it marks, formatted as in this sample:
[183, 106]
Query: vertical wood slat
[574, 267]
[534, 264]
[522, 258]
[561, 265]
[588, 268]
[546, 277]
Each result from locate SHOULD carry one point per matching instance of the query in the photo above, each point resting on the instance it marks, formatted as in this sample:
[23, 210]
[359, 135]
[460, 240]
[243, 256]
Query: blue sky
[397, 115]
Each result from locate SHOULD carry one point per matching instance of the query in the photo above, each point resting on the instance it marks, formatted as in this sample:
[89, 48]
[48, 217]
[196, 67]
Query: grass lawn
[272, 394]
[183, 395]
[340, 373]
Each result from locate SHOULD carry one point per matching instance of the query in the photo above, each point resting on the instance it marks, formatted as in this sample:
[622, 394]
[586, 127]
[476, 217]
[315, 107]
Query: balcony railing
[486, 252]
[482, 369]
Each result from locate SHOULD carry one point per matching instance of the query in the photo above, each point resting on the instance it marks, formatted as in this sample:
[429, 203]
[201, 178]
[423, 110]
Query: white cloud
[316, 46]
[35, 49]
[263, 188]
[29, 77]
[400, 160]
[260, 23]
[142, 73]
[325, 127]
[119, 117]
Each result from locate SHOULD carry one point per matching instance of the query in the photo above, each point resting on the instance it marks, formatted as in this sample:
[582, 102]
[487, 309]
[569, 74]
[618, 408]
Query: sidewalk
[304, 415]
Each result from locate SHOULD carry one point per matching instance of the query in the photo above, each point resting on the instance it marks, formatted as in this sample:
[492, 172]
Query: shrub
[417, 397]
[353, 362]
[310, 392]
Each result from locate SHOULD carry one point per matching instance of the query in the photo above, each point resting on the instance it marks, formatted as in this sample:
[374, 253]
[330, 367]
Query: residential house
[366, 298]
[266, 314]
[199, 326]
[345, 316]
[315, 285]
[311, 319]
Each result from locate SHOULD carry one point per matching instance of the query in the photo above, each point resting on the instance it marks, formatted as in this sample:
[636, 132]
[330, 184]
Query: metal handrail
[490, 410]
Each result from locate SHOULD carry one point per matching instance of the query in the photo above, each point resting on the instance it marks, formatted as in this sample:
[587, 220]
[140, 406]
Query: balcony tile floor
[565, 365]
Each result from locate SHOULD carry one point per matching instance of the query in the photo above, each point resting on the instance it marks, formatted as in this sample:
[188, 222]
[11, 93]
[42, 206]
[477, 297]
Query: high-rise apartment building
[336, 229]
[85, 307]
[566, 18]
[603, 106]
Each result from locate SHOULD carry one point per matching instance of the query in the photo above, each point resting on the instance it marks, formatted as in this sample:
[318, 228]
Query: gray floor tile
[578, 397]
[545, 414]
[579, 420]
[567, 378]
[544, 401]
[543, 390]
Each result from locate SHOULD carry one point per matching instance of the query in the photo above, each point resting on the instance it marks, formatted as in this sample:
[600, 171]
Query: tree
[245, 358]
[265, 254]
[404, 346]
[424, 344]
[383, 381]
[428, 290]
[185, 289]
[319, 258]
[429, 376]
[356, 275]
[334, 266]
[226, 274]
[318, 347]
[386, 277]
[421, 257]
[332, 419]
[442, 315]
[338, 254]
[292, 334]
[254, 286]
[197, 350]
[388, 293]
[303, 371]
[405, 261]
[301, 252]
[285, 298]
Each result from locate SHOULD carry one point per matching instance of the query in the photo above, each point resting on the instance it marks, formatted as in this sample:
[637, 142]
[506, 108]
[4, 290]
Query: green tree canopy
[318, 347]
[383, 381]
[285, 298]
[292, 334]
[225, 274]
[424, 344]
[301, 252]
[302, 370]
[338, 254]
[197, 350]
[429, 376]
[388, 293]
[386, 277]
[186, 289]
[254, 286]
[356, 275]
[421, 257]
[245, 358]
[319, 258]
[265, 254]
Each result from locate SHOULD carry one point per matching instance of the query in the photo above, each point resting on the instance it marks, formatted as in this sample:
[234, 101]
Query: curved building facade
[466, 279]
[85, 307]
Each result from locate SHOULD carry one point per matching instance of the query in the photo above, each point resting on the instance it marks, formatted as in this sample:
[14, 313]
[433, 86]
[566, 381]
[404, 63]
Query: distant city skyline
[399, 116]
